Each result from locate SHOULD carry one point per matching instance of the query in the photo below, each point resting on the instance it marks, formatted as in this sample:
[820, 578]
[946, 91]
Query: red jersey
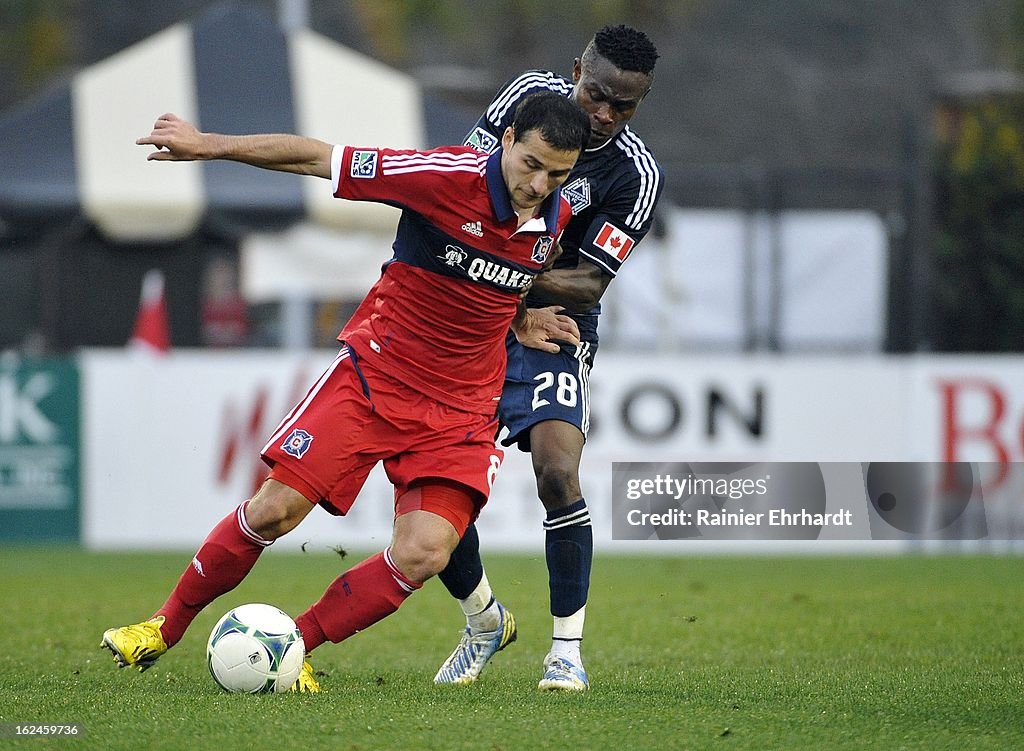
[437, 318]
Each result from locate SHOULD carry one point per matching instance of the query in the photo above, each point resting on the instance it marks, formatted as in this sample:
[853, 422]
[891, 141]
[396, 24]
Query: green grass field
[714, 652]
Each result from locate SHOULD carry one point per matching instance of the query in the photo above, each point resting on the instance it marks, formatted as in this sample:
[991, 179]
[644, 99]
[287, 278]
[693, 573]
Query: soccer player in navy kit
[613, 190]
[420, 372]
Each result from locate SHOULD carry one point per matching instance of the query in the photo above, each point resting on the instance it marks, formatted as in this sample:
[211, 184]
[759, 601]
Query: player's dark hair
[624, 47]
[562, 123]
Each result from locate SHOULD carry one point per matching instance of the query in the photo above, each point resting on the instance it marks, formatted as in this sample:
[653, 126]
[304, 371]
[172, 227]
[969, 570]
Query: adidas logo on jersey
[473, 228]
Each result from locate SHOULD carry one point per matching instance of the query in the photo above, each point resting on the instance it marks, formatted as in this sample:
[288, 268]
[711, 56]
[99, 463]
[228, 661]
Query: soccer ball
[255, 649]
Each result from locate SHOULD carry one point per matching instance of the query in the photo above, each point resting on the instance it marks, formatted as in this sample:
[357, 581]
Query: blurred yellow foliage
[988, 137]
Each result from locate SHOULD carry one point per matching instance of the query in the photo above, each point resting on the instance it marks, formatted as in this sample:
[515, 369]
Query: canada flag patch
[614, 241]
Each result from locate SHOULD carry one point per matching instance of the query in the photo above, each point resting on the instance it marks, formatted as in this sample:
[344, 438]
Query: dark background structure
[759, 104]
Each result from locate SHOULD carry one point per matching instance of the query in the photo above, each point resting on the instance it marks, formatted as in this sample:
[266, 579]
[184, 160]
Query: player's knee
[420, 559]
[270, 519]
[274, 512]
[558, 485]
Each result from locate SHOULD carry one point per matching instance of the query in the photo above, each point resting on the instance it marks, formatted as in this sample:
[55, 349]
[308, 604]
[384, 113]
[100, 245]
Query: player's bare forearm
[281, 152]
[577, 289]
[520, 318]
[544, 328]
[178, 140]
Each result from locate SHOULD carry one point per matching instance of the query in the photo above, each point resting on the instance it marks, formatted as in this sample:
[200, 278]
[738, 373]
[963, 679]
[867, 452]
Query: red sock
[356, 600]
[226, 556]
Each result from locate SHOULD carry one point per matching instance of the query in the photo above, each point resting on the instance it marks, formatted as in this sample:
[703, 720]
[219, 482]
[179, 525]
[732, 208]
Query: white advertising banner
[967, 408]
[170, 445]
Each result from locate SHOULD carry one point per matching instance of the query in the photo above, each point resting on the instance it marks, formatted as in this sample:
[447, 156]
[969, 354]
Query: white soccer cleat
[463, 666]
[562, 674]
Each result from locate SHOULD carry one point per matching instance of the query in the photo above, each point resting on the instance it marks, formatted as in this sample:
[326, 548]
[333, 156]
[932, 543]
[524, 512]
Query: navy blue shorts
[542, 386]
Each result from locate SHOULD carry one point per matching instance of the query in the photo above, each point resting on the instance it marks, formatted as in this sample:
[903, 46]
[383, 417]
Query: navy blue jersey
[613, 189]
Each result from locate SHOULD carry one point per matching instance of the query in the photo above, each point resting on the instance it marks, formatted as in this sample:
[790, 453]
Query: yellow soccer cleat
[306, 683]
[139, 645]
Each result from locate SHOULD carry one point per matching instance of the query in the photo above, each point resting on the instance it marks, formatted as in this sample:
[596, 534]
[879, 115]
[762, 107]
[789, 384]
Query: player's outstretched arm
[577, 289]
[178, 140]
[544, 328]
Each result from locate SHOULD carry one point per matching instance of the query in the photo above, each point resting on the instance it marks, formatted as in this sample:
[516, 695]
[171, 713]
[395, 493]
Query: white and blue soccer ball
[255, 649]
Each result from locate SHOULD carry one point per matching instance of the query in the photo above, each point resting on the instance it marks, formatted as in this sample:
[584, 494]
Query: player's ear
[577, 70]
[508, 138]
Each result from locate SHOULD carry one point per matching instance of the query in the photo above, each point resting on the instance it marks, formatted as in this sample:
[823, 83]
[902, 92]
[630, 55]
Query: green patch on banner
[39, 449]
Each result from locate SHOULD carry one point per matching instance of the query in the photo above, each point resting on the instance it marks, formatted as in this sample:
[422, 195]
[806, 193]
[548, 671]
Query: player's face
[532, 168]
[608, 95]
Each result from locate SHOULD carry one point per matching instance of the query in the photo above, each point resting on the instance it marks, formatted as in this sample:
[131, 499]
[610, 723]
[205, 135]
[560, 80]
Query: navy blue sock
[465, 569]
[569, 549]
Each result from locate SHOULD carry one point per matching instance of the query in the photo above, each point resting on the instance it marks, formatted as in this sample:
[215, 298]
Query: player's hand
[543, 328]
[176, 140]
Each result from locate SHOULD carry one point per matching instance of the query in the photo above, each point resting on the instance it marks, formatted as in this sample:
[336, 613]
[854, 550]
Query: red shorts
[351, 420]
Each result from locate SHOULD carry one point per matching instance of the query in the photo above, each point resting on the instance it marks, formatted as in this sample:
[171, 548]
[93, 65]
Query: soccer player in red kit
[418, 378]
